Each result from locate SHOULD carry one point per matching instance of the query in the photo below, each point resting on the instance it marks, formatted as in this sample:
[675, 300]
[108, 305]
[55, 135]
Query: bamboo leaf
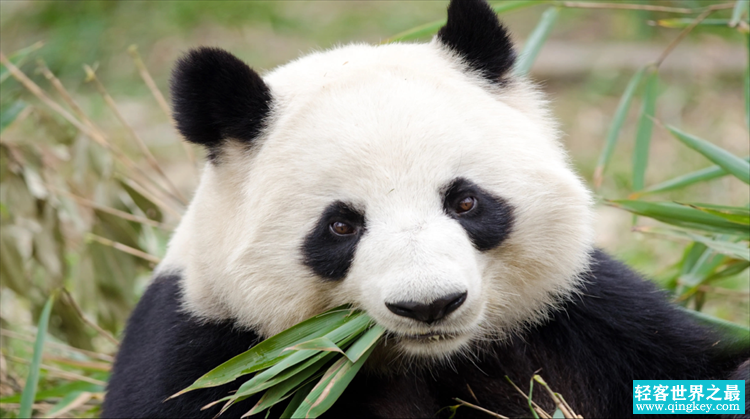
[736, 215]
[68, 402]
[535, 41]
[268, 352]
[645, 127]
[739, 336]
[432, 27]
[298, 361]
[365, 342]
[741, 7]
[728, 161]
[299, 397]
[703, 175]
[18, 58]
[286, 388]
[735, 250]
[684, 22]
[614, 128]
[328, 390]
[8, 115]
[682, 216]
[29, 390]
[319, 344]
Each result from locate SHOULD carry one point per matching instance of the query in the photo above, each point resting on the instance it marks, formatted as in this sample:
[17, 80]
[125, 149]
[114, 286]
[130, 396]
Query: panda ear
[474, 33]
[216, 96]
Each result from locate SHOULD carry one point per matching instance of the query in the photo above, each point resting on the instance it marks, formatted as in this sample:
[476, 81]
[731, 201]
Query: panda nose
[430, 312]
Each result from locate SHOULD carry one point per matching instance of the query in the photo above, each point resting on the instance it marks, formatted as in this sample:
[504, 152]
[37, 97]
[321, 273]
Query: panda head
[422, 183]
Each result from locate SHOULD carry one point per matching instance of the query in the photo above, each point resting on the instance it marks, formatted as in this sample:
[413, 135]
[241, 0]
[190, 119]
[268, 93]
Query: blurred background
[89, 205]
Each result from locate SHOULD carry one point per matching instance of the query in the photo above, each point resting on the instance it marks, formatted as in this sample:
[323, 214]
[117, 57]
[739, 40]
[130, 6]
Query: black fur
[489, 222]
[216, 96]
[330, 255]
[474, 33]
[619, 328]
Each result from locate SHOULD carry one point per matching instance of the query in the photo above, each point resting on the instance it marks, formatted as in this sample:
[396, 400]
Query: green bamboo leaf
[279, 373]
[18, 58]
[738, 336]
[703, 175]
[270, 351]
[432, 27]
[8, 115]
[614, 128]
[319, 344]
[703, 269]
[365, 342]
[738, 215]
[728, 161]
[67, 400]
[535, 41]
[286, 388]
[729, 248]
[298, 361]
[645, 127]
[29, 390]
[325, 394]
[740, 7]
[731, 269]
[747, 92]
[681, 216]
[299, 397]
[558, 414]
[683, 22]
[58, 391]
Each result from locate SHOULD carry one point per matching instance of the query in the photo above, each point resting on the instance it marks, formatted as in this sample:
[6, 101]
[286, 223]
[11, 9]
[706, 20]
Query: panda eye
[465, 205]
[342, 229]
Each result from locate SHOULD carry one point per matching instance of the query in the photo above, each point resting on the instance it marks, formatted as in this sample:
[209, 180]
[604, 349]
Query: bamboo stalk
[146, 76]
[91, 76]
[20, 336]
[92, 133]
[479, 408]
[138, 188]
[86, 320]
[124, 248]
[113, 211]
[60, 372]
[681, 36]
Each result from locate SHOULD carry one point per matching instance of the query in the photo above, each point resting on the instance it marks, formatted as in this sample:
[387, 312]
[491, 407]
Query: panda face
[395, 178]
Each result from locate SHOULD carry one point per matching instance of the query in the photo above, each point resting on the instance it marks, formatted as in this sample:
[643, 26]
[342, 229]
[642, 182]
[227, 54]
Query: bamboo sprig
[479, 408]
[72, 302]
[109, 210]
[28, 338]
[142, 177]
[91, 77]
[60, 372]
[151, 197]
[647, 7]
[124, 248]
[681, 36]
[146, 76]
[92, 133]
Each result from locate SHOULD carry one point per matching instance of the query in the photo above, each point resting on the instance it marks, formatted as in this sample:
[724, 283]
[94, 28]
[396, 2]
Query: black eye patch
[488, 222]
[328, 254]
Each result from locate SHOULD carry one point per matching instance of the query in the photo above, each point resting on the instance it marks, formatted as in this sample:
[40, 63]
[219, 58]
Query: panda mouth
[430, 337]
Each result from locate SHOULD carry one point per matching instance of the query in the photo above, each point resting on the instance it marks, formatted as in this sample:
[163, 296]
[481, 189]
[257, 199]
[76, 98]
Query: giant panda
[424, 184]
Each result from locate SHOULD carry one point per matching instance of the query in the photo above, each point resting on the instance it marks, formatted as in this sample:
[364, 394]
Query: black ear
[474, 32]
[216, 96]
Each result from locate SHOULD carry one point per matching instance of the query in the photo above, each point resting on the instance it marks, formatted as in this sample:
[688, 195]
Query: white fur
[385, 128]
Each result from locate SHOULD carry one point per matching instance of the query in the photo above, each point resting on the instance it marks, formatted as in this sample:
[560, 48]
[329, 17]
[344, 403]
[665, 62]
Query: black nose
[430, 312]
